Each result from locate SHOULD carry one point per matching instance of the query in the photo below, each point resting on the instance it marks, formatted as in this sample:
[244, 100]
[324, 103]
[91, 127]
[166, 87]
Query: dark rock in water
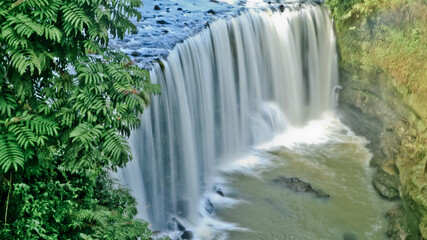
[349, 236]
[298, 185]
[178, 225]
[162, 22]
[219, 191]
[156, 7]
[164, 31]
[179, 9]
[183, 208]
[211, 11]
[187, 235]
[214, 1]
[282, 8]
[135, 54]
[209, 207]
[386, 185]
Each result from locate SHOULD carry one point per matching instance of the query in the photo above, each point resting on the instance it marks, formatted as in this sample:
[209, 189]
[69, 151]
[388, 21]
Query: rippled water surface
[333, 160]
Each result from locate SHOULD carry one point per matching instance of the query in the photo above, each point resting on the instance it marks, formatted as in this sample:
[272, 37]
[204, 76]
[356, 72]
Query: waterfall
[236, 84]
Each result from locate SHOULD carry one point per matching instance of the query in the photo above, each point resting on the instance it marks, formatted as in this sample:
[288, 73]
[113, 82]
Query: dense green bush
[67, 104]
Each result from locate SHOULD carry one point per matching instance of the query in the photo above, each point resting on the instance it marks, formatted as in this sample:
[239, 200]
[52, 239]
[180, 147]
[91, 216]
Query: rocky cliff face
[384, 99]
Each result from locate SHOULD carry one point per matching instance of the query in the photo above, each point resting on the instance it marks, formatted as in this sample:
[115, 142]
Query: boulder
[298, 185]
[386, 185]
[176, 224]
[135, 54]
[156, 7]
[187, 235]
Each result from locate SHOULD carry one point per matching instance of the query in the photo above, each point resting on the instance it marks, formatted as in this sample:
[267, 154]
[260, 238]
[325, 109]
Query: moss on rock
[384, 98]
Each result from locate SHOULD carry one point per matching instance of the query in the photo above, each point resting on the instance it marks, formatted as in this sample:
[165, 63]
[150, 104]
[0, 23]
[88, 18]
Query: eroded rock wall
[384, 76]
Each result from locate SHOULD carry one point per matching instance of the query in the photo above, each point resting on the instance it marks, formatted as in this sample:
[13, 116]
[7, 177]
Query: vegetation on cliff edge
[67, 104]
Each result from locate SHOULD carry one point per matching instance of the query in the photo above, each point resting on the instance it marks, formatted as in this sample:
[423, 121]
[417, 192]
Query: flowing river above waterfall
[246, 107]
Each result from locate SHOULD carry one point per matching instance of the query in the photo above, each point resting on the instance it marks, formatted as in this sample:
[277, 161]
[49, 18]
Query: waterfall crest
[238, 83]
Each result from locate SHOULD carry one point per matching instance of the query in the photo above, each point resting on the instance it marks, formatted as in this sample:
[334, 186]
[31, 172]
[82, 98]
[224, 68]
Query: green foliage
[67, 105]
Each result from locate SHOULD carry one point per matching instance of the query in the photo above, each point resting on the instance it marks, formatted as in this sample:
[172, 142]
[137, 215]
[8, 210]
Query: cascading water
[238, 83]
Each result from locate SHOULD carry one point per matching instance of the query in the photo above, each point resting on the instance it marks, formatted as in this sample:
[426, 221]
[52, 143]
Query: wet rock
[219, 191]
[349, 236]
[179, 9]
[162, 22]
[397, 224]
[156, 7]
[282, 8]
[135, 54]
[386, 185]
[187, 235]
[183, 208]
[177, 224]
[211, 11]
[164, 31]
[209, 207]
[297, 185]
[214, 1]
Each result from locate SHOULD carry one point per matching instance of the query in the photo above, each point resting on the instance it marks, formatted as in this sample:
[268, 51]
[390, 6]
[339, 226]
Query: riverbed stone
[298, 185]
[135, 54]
[187, 235]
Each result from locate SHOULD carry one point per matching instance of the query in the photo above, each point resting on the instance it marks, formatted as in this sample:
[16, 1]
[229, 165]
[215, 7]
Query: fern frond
[11, 154]
[86, 133]
[74, 18]
[43, 126]
[24, 25]
[23, 134]
[7, 102]
[115, 146]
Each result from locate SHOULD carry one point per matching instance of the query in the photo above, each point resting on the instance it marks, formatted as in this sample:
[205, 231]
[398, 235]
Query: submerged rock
[187, 235]
[219, 191]
[209, 207]
[162, 22]
[156, 7]
[176, 224]
[349, 236]
[298, 185]
[135, 54]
